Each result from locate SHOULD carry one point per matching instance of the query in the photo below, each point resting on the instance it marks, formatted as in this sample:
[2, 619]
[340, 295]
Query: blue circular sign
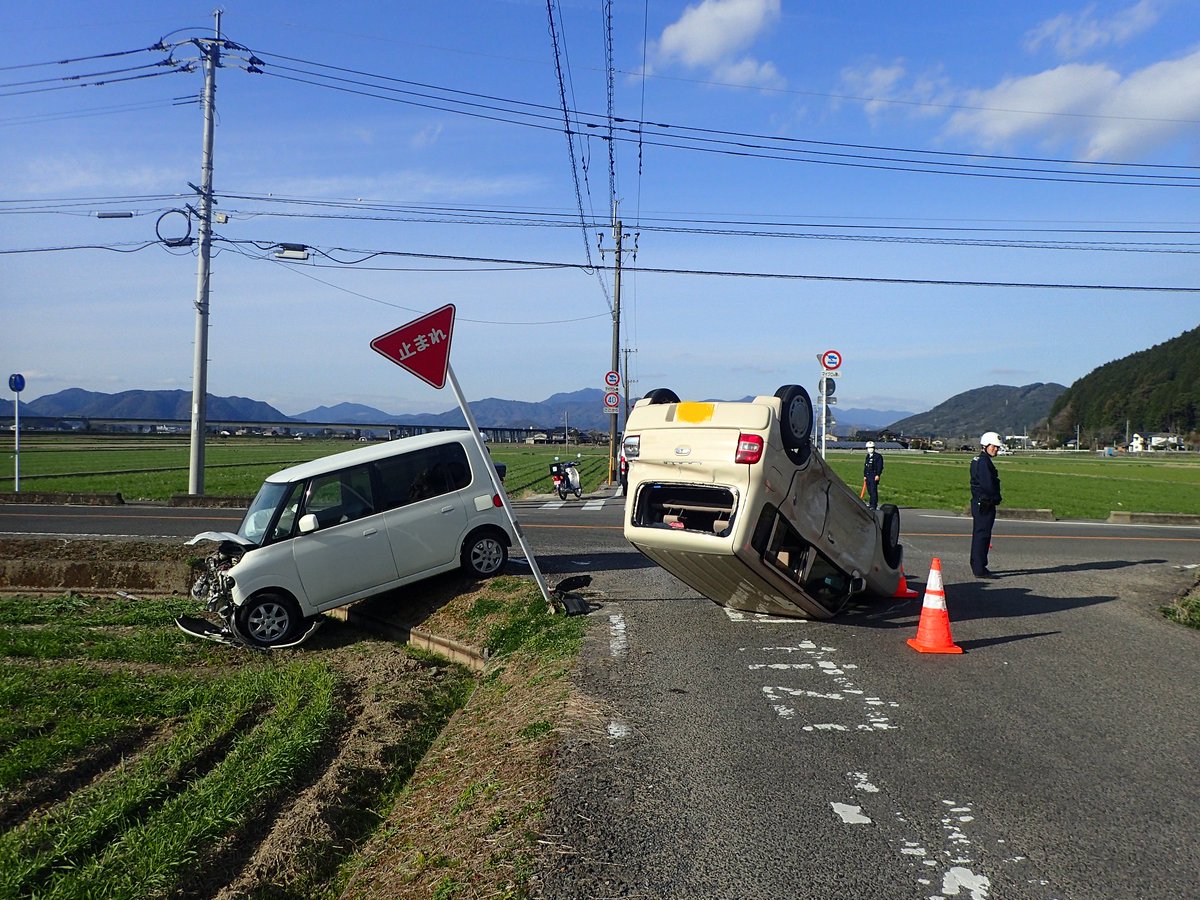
[16, 383]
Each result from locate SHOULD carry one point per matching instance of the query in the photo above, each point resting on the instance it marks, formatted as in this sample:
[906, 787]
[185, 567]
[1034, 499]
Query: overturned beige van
[730, 498]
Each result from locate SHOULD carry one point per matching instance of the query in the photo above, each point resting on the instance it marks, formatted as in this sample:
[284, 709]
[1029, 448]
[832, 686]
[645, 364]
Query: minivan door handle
[369, 531]
[447, 509]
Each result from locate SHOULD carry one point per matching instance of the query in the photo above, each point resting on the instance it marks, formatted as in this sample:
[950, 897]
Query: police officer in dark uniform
[985, 497]
[872, 470]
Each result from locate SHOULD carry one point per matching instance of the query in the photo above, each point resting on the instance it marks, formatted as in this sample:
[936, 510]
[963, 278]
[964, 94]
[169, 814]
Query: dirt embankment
[96, 565]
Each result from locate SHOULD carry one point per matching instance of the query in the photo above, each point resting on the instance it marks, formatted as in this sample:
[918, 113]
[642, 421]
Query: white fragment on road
[618, 730]
[851, 815]
[617, 640]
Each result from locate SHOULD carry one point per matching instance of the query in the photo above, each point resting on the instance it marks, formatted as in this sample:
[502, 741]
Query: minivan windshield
[261, 511]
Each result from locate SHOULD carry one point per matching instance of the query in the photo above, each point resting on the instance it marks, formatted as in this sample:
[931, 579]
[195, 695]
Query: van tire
[661, 395]
[796, 422]
[889, 518]
[484, 554]
[268, 619]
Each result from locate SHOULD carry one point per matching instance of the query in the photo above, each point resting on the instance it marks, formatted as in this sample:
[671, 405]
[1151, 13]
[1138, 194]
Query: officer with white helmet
[872, 470]
[985, 497]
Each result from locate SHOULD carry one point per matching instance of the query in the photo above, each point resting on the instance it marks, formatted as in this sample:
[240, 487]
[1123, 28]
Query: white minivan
[325, 533]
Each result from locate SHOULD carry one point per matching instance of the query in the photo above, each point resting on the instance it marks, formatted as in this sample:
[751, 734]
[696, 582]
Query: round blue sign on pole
[16, 383]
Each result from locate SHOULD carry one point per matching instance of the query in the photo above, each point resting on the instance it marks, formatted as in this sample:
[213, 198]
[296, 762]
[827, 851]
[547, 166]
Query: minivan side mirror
[308, 523]
[858, 584]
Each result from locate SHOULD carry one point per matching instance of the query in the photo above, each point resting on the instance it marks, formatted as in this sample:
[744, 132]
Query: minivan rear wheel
[484, 554]
[796, 422]
[268, 619]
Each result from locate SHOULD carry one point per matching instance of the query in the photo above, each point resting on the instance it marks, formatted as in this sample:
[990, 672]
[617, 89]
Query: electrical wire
[365, 255]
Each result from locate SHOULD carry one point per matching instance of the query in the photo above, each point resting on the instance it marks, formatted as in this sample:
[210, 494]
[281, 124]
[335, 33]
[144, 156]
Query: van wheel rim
[268, 622]
[485, 556]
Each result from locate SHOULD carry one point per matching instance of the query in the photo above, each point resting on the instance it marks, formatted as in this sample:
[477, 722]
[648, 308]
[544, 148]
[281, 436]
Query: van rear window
[689, 507]
[421, 474]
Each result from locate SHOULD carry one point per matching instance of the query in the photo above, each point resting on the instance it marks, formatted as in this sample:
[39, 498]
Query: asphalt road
[731, 756]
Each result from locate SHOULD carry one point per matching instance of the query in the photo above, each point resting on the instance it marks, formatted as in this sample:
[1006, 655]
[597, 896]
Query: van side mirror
[307, 524]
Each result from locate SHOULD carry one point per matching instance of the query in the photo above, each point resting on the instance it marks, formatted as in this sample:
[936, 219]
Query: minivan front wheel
[889, 515]
[484, 554]
[268, 619]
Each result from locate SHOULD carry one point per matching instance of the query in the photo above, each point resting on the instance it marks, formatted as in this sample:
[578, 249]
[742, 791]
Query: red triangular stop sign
[422, 346]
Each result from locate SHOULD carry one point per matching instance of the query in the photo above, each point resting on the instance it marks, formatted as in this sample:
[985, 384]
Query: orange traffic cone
[903, 591]
[933, 631]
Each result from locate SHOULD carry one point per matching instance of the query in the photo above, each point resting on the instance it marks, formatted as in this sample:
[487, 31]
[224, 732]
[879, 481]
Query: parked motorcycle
[566, 478]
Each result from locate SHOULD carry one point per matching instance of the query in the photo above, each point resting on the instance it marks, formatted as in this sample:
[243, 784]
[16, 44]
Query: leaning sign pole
[422, 347]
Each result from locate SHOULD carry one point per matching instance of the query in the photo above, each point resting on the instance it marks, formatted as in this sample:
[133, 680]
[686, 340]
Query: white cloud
[1072, 36]
[75, 174]
[1108, 115]
[883, 87]
[750, 73]
[426, 137]
[714, 34]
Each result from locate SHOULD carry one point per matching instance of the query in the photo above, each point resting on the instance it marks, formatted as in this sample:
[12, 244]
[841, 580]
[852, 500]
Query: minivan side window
[340, 497]
[421, 474]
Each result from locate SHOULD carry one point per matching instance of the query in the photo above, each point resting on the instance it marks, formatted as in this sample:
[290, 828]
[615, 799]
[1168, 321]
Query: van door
[426, 510]
[349, 553]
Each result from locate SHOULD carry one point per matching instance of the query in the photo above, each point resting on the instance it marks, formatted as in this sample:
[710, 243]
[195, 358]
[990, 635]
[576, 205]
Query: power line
[63, 62]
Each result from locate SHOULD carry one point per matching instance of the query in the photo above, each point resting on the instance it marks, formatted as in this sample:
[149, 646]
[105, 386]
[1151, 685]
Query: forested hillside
[1155, 390]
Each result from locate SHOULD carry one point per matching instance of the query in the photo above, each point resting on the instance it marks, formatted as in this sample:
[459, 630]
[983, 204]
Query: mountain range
[1150, 391]
[582, 410]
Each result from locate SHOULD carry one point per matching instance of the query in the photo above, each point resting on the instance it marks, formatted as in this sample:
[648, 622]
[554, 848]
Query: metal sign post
[16, 384]
[423, 348]
[500, 492]
[831, 361]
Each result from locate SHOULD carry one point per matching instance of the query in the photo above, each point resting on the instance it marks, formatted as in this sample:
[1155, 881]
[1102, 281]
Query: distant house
[1165, 441]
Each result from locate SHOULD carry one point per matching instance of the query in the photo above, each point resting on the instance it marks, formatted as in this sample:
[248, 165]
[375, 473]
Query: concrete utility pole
[212, 56]
[625, 379]
[616, 346]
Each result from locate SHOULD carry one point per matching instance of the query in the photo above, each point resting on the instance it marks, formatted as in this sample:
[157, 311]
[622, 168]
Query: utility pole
[625, 379]
[212, 56]
[616, 345]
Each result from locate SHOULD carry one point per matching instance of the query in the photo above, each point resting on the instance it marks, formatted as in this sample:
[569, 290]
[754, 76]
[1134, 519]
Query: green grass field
[135, 761]
[156, 468]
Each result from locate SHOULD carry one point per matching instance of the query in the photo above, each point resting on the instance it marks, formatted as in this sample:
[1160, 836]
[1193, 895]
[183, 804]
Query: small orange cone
[933, 631]
[903, 591]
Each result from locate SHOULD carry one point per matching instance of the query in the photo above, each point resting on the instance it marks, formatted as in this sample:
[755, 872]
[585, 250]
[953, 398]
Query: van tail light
[496, 501]
[749, 449]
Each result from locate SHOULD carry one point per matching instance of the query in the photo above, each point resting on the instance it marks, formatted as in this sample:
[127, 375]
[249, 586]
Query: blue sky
[798, 186]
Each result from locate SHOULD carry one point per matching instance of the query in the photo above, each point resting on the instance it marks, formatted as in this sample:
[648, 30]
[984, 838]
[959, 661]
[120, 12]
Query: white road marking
[594, 504]
[783, 698]
[617, 642]
[553, 504]
[736, 615]
[617, 730]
